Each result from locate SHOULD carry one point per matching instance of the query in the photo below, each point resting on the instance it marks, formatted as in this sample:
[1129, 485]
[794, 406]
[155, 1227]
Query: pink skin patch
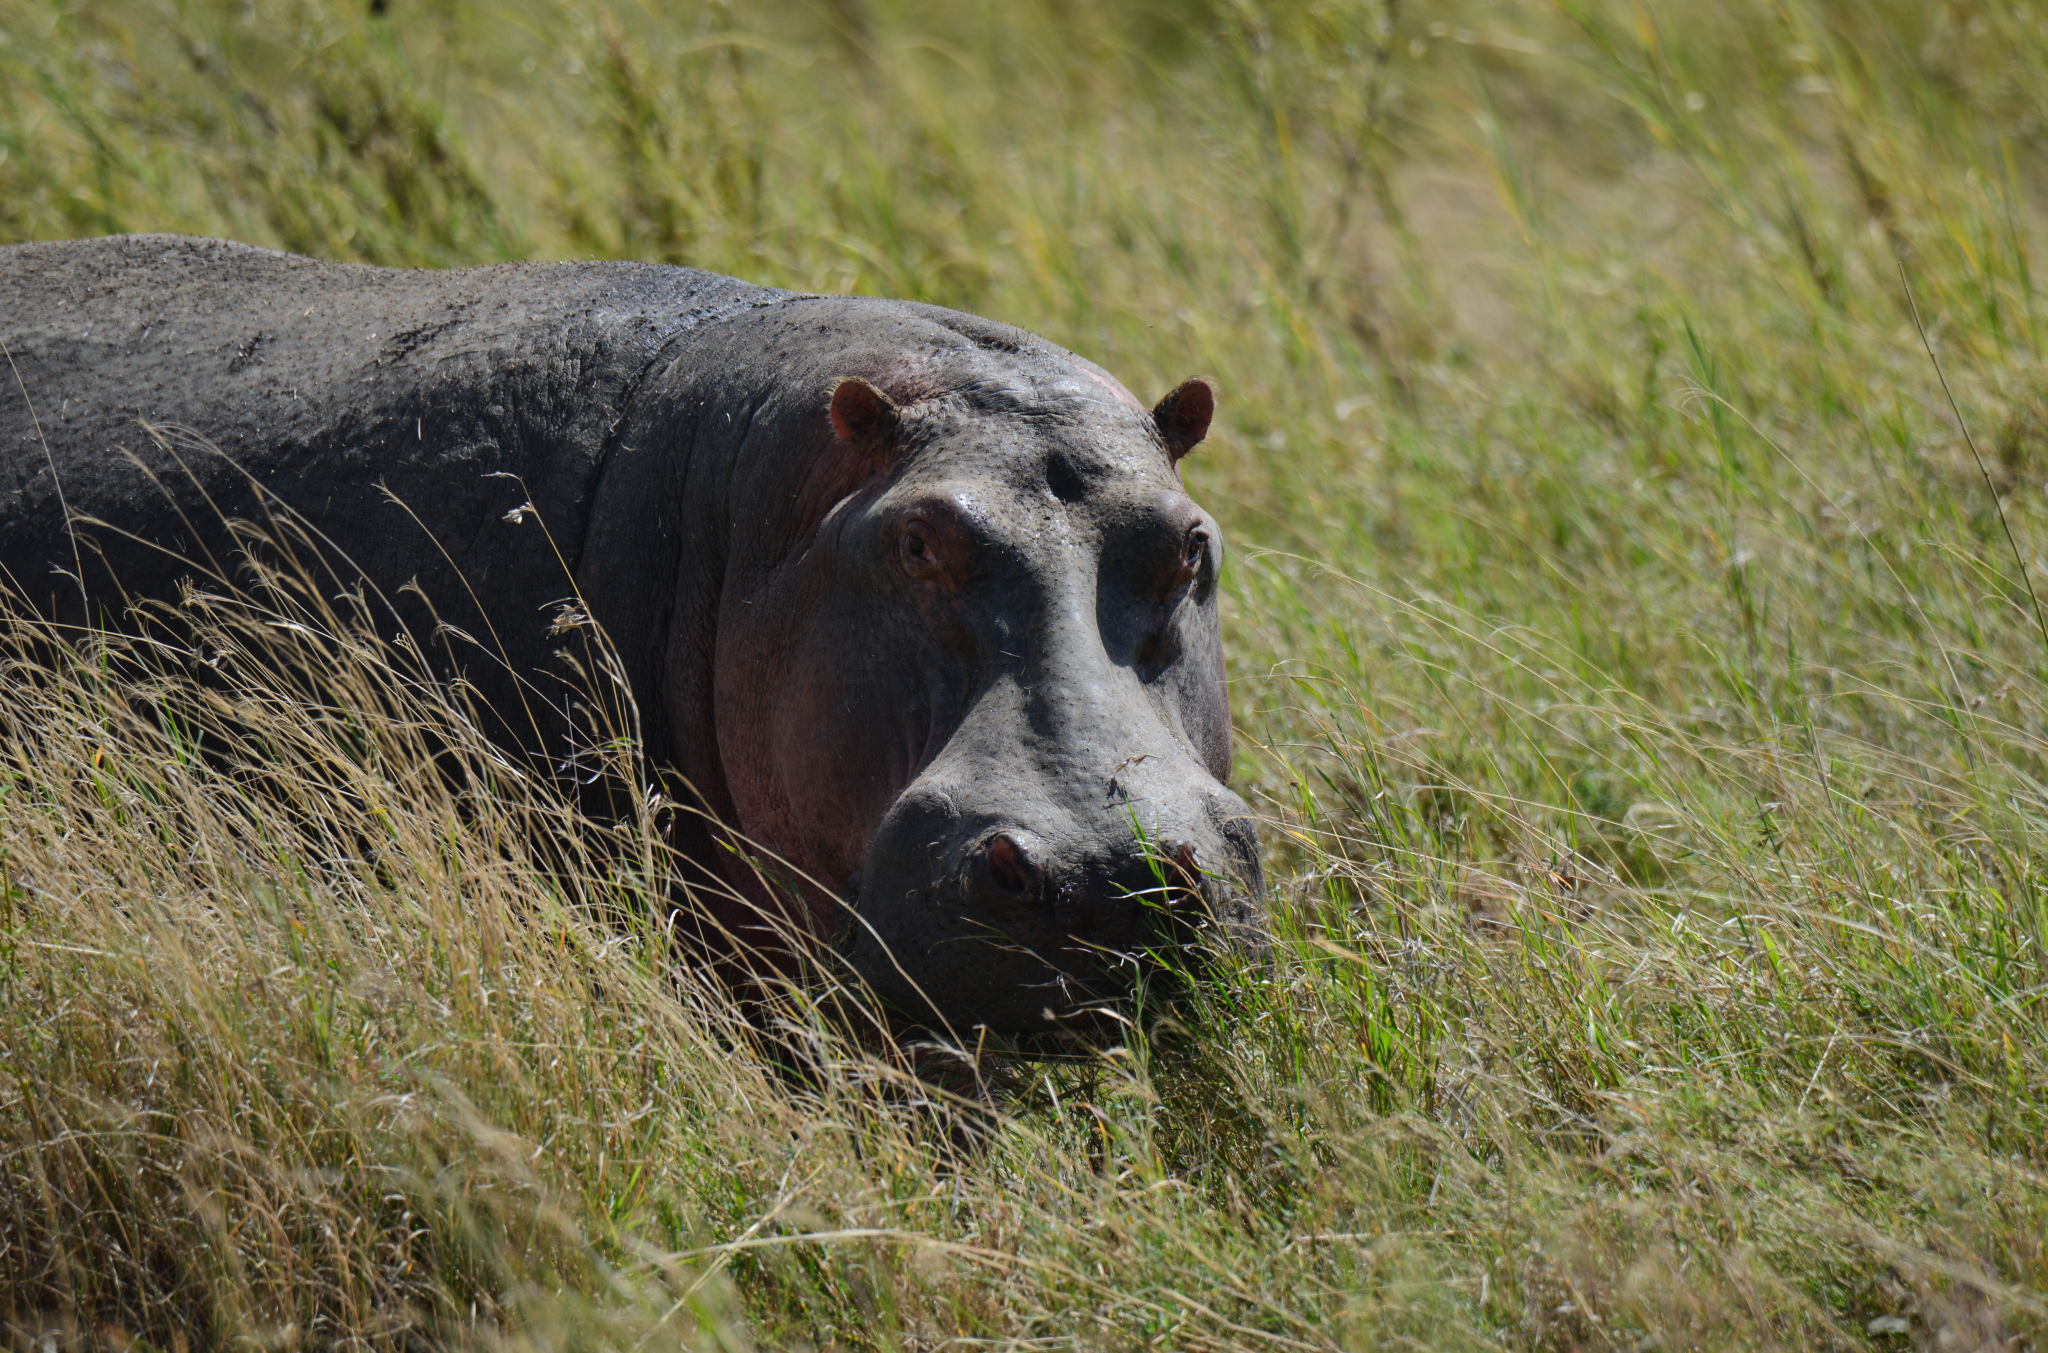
[1110, 384]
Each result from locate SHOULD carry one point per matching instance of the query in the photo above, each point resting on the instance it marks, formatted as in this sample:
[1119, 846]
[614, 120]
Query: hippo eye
[920, 557]
[1192, 552]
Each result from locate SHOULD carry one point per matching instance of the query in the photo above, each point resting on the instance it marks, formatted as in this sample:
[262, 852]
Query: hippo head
[978, 698]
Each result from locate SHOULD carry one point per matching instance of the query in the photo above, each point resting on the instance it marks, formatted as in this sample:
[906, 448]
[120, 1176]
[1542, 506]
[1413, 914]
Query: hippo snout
[980, 919]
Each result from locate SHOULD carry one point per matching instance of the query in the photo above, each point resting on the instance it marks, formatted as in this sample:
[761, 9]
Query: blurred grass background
[1634, 441]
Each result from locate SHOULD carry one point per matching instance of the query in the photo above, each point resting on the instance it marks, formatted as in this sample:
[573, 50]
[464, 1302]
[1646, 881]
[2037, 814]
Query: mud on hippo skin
[913, 601]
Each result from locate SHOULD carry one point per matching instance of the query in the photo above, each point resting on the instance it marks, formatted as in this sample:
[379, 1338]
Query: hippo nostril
[1013, 870]
[1183, 873]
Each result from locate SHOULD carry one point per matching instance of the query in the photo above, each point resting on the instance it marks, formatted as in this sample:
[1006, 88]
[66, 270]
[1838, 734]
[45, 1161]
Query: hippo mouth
[1004, 943]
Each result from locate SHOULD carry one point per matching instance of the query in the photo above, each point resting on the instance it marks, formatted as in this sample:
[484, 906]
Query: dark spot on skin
[245, 355]
[1065, 484]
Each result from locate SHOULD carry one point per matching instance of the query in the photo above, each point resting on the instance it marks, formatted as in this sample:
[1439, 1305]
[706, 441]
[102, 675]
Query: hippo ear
[864, 417]
[1183, 416]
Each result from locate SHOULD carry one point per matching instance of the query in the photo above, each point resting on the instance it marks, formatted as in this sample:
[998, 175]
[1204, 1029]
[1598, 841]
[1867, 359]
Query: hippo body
[910, 600]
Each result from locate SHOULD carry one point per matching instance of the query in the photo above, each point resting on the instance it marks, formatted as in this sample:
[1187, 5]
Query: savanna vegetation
[1634, 450]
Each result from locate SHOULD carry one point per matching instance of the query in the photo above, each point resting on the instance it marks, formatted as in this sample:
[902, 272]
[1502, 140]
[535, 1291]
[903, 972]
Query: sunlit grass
[1639, 666]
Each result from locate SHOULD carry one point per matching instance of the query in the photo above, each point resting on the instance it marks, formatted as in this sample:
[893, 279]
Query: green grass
[1635, 650]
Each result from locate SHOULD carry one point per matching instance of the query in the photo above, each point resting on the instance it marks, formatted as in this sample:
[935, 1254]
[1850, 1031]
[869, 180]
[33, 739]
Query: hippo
[911, 602]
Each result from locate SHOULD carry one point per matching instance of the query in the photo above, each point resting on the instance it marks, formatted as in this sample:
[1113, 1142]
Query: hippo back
[161, 386]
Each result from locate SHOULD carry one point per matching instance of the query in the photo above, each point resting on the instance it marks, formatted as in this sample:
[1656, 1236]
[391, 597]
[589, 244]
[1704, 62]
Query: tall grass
[1634, 649]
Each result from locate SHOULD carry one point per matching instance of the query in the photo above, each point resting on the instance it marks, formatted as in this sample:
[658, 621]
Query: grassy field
[1634, 449]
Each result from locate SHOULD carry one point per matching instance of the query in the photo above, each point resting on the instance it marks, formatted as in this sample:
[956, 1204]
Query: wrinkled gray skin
[913, 600]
